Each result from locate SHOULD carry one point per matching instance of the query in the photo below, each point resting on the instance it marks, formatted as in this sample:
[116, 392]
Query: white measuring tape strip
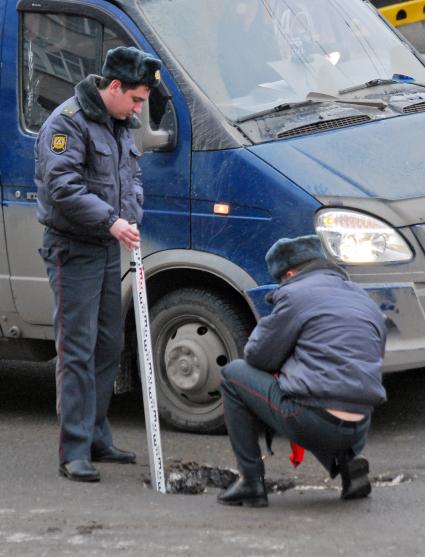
[146, 370]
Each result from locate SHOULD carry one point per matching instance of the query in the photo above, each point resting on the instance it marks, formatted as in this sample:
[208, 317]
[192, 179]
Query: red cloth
[297, 454]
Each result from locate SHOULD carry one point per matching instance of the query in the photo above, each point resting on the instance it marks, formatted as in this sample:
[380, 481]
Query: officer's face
[123, 104]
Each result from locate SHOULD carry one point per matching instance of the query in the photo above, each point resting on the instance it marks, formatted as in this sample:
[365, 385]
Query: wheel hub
[187, 365]
[191, 365]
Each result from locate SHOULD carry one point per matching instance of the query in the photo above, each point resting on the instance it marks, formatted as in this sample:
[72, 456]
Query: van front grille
[324, 126]
[417, 107]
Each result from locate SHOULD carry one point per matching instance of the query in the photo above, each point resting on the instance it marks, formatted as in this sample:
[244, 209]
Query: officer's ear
[289, 274]
[115, 87]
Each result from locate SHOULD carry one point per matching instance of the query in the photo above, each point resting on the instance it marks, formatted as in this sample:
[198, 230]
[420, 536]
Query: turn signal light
[221, 209]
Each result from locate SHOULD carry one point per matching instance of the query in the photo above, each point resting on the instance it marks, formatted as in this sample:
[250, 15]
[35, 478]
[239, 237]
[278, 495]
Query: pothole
[193, 478]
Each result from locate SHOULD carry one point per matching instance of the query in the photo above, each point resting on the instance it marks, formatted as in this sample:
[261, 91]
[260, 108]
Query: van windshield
[250, 55]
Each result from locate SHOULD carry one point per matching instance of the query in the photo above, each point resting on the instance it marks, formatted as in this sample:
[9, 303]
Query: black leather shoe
[112, 454]
[251, 493]
[355, 480]
[79, 471]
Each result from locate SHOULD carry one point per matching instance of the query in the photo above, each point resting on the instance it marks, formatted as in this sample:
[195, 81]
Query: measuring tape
[146, 371]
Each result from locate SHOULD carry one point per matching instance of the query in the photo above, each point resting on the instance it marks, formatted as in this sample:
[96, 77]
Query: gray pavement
[42, 514]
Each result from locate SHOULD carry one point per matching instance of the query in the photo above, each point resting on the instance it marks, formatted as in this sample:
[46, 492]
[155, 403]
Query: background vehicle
[408, 16]
[274, 118]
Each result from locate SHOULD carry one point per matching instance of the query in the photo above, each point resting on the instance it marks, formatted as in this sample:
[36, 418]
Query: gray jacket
[86, 168]
[326, 337]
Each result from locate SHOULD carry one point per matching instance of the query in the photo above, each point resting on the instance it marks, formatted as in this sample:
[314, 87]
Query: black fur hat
[131, 65]
[290, 252]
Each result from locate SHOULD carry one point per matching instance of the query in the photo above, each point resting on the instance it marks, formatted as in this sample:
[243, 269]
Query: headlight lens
[353, 237]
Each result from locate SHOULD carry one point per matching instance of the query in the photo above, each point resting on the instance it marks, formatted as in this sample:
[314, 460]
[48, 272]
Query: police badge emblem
[59, 142]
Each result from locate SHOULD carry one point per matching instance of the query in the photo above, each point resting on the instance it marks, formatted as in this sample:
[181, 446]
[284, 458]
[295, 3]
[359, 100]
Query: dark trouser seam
[266, 400]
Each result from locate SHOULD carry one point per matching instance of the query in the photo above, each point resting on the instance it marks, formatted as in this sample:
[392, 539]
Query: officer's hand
[125, 233]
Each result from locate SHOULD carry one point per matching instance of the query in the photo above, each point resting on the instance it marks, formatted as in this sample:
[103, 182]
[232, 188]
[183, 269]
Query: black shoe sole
[257, 503]
[113, 460]
[74, 478]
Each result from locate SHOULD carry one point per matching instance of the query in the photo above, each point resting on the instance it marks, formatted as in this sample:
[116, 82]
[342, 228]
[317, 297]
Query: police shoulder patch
[59, 143]
[71, 108]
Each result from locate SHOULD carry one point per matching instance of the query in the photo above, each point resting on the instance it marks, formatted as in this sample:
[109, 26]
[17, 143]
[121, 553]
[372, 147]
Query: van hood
[378, 166]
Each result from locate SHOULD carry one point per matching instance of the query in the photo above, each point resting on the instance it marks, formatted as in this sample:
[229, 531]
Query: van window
[58, 51]
[250, 55]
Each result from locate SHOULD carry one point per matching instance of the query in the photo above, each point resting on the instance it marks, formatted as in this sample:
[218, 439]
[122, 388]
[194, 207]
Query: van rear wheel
[195, 332]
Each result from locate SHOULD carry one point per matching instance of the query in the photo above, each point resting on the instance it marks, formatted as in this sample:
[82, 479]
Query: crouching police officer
[88, 194]
[324, 341]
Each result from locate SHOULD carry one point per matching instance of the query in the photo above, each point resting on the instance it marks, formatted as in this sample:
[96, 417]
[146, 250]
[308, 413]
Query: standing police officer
[88, 194]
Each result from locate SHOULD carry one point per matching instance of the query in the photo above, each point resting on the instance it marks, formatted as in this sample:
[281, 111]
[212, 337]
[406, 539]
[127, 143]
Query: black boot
[251, 493]
[79, 471]
[355, 480]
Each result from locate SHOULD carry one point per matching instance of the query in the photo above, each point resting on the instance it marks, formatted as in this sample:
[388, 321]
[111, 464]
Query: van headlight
[353, 237]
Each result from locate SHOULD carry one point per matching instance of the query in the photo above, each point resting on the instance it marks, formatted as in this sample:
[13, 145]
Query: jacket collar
[319, 264]
[90, 100]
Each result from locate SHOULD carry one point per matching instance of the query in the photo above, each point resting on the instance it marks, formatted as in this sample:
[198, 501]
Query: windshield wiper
[396, 78]
[268, 111]
[323, 97]
[311, 98]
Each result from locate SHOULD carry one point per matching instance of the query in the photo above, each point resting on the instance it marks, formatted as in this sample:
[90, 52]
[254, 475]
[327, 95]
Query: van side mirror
[162, 137]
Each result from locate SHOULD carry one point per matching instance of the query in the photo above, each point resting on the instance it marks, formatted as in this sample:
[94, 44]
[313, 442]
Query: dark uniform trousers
[253, 398]
[86, 282]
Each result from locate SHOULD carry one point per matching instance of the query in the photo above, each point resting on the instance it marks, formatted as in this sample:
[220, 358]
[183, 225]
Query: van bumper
[405, 348]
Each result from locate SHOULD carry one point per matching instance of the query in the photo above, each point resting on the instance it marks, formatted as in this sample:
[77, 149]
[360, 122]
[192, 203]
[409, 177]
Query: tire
[195, 332]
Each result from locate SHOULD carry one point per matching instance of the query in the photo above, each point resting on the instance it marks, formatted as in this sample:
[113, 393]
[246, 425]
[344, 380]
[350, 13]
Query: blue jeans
[86, 283]
[253, 398]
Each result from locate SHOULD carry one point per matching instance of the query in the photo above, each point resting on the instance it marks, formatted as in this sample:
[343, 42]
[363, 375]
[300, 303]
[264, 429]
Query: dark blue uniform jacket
[87, 174]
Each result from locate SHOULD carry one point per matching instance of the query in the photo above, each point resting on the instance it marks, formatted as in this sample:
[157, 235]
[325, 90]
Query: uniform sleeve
[62, 155]
[274, 338]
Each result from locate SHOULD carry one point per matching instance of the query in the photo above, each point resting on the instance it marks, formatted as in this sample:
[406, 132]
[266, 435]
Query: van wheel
[195, 332]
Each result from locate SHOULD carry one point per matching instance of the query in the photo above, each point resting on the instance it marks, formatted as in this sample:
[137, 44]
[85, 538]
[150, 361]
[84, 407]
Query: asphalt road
[42, 514]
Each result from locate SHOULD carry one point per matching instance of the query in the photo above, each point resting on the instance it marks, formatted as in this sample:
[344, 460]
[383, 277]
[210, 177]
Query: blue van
[274, 118]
